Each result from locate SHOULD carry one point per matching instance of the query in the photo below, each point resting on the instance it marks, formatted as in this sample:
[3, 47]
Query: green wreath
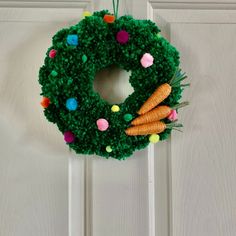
[89, 123]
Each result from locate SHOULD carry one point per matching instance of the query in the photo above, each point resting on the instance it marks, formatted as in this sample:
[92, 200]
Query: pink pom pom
[52, 53]
[102, 124]
[69, 137]
[122, 37]
[147, 60]
[173, 115]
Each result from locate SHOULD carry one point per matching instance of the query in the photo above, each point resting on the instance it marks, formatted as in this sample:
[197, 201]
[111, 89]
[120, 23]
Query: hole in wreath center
[112, 84]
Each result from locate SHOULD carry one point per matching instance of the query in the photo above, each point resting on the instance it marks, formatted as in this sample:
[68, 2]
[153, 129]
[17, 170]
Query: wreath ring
[90, 124]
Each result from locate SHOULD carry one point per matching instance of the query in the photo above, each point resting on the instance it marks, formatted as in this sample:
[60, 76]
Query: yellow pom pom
[115, 108]
[154, 138]
[108, 149]
[86, 13]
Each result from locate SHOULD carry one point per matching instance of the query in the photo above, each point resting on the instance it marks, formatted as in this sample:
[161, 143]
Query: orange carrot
[159, 113]
[155, 127]
[162, 92]
[144, 129]
[159, 95]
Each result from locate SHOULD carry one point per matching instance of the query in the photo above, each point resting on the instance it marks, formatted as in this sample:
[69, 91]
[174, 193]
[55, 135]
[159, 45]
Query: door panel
[117, 192]
[120, 195]
[203, 157]
[33, 156]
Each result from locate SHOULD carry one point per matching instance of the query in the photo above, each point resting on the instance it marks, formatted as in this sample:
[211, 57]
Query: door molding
[40, 11]
[45, 4]
[221, 5]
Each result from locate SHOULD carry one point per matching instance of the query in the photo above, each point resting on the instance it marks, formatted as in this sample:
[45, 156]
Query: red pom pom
[45, 102]
[109, 18]
[52, 53]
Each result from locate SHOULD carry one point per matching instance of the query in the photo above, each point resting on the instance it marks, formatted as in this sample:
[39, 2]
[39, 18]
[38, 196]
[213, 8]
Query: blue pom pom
[71, 104]
[72, 39]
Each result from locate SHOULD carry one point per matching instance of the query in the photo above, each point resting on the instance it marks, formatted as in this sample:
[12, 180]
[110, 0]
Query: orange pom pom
[109, 18]
[45, 102]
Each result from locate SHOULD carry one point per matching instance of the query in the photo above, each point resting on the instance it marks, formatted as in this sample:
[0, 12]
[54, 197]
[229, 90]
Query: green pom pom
[128, 117]
[108, 149]
[54, 73]
[84, 58]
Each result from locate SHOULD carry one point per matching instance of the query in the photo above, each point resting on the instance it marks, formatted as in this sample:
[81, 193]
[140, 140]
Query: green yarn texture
[71, 75]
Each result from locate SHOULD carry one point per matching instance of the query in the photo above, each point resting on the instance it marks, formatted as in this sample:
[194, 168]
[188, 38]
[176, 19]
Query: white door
[182, 187]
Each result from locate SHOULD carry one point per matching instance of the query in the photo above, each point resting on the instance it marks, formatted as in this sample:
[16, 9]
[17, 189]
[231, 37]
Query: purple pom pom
[69, 137]
[122, 37]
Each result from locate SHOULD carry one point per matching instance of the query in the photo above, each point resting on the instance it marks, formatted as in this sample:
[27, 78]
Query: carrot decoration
[155, 127]
[158, 113]
[161, 93]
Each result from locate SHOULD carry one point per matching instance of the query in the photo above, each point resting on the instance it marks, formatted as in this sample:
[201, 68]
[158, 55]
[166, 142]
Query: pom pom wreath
[72, 39]
[128, 117]
[147, 60]
[97, 44]
[115, 108]
[86, 14]
[52, 53]
[71, 104]
[108, 149]
[173, 116]
[122, 37]
[154, 138]
[109, 18]
[102, 124]
[69, 137]
[45, 102]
